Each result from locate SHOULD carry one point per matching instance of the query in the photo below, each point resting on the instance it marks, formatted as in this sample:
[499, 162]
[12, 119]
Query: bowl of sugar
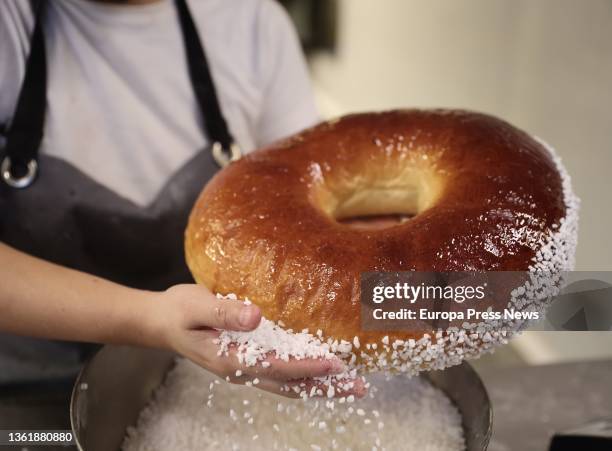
[134, 399]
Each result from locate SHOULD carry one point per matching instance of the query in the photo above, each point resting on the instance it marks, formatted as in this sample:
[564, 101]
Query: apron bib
[52, 210]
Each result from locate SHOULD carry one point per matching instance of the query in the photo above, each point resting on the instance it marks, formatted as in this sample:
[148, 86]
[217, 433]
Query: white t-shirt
[120, 106]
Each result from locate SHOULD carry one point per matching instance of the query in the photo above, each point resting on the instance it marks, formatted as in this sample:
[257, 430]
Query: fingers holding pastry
[272, 367]
[293, 378]
[194, 323]
[333, 388]
[279, 369]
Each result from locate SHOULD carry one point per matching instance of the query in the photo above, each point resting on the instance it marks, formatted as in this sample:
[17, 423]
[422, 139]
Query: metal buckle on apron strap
[224, 157]
[18, 182]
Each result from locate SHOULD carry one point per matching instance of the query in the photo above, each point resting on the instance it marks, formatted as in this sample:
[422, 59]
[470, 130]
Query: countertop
[531, 403]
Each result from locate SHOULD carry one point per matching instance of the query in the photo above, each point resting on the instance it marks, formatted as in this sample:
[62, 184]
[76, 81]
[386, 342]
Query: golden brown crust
[264, 227]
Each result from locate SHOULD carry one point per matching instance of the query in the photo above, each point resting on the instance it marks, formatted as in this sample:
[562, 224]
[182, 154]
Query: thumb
[229, 315]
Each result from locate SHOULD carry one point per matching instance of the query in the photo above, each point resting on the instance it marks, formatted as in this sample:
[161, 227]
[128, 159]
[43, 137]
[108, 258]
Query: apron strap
[24, 135]
[223, 146]
[19, 165]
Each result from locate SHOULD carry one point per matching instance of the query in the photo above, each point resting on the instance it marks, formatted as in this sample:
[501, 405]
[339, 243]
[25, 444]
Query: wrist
[145, 320]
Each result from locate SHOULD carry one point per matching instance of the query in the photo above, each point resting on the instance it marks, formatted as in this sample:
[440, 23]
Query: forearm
[41, 299]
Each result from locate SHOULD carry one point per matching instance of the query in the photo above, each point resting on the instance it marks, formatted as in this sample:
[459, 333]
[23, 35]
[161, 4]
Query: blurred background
[543, 65]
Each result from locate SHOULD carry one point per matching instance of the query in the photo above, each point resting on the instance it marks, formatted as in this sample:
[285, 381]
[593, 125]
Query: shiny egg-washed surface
[484, 195]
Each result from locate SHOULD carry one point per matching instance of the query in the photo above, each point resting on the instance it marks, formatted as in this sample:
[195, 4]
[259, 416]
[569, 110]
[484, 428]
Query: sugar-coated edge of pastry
[448, 347]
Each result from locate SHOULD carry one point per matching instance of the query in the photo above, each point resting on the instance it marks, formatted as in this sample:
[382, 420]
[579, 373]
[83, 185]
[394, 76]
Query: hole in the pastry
[383, 195]
[375, 222]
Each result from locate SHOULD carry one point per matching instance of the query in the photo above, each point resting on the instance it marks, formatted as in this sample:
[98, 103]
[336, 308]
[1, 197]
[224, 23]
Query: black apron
[51, 210]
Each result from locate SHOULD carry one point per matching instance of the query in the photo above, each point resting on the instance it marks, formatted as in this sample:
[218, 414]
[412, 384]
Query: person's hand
[189, 316]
